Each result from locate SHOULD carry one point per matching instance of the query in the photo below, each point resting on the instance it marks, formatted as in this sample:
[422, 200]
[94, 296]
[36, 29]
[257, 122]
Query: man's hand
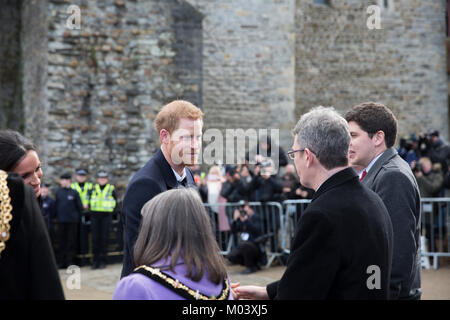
[250, 293]
[286, 190]
[259, 158]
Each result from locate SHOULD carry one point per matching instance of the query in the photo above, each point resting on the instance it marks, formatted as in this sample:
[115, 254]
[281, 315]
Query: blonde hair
[215, 170]
[424, 160]
[169, 116]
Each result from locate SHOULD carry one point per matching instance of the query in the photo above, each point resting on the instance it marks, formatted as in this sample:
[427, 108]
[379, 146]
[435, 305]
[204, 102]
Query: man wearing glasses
[343, 245]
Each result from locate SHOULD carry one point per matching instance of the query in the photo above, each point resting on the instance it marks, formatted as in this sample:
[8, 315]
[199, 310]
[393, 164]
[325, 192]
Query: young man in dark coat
[373, 128]
[179, 125]
[343, 245]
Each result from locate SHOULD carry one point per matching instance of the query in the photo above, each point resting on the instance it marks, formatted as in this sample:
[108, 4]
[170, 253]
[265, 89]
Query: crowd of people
[243, 183]
[429, 158]
[170, 250]
[247, 183]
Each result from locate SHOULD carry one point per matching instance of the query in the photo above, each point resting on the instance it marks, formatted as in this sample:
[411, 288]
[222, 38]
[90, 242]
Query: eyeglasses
[291, 154]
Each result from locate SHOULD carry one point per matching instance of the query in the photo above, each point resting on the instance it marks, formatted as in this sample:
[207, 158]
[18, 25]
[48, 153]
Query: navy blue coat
[155, 177]
[68, 206]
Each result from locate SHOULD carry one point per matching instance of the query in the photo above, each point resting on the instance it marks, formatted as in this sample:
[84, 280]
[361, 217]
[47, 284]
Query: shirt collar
[178, 177]
[370, 165]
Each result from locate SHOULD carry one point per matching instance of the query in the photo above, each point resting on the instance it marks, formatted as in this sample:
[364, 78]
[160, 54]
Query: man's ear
[164, 136]
[378, 138]
[309, 157]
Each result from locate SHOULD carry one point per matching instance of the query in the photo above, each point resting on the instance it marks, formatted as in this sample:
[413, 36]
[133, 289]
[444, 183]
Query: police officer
[102, 202]
[82, 187]
[68, 209]
[47, 205]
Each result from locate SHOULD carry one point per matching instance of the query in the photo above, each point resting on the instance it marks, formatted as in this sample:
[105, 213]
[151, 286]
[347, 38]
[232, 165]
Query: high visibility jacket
[102, 200]
[84, 193]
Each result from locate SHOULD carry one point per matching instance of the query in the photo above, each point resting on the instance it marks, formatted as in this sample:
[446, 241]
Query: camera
[242, 212]
[267, 167]
[417, 168]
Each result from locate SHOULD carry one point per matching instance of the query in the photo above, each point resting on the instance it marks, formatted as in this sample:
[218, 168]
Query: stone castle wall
[249, 63]
[88, 97]
[107, 81]
[340, 62]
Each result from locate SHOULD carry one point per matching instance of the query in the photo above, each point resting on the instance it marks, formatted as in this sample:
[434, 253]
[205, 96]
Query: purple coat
[137, 286]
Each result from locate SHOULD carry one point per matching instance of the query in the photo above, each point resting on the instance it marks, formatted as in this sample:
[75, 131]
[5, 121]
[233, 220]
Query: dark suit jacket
[345, 230]
[27, 266]
[392, 179]
[152, 179]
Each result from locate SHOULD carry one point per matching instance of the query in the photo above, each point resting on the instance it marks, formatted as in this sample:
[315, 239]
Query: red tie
[363, 175]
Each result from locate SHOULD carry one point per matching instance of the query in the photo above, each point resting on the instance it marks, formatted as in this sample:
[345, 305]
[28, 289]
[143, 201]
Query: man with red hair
[179, 125]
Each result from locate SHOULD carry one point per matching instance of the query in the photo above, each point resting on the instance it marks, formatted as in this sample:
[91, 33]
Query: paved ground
[99, 284]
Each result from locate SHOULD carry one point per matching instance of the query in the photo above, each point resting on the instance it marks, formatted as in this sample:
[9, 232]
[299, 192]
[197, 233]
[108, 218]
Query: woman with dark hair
[27, 264]
[176, 253]
[19, 155]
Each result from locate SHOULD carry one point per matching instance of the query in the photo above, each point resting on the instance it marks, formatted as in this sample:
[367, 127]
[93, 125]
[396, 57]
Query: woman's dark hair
[13, 147]
[175, 223]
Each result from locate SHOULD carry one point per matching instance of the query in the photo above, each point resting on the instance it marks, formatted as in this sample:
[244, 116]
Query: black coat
[440, 153]
[345, 230]
[253, 226]
[236, 191]
[27, 265]
[268, 189]
[152, 179]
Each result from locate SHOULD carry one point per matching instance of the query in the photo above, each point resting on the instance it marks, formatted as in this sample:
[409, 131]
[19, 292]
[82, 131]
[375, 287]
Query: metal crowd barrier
[83, 250]
[271, 214]
[435, 223]
[279, 226]
[293, 209]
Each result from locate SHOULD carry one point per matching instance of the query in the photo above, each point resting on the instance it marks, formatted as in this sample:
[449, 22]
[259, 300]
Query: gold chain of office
[180, 286]
[5, 210]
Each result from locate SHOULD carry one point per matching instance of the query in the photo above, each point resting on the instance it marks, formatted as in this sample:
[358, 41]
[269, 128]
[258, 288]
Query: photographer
[292, 188]
[440, 151]
[250, 252]
[268, 185]
[409, 148]
[429, 177]
[233, 188]
[267, 149]
[430, 180]
[424, 145]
